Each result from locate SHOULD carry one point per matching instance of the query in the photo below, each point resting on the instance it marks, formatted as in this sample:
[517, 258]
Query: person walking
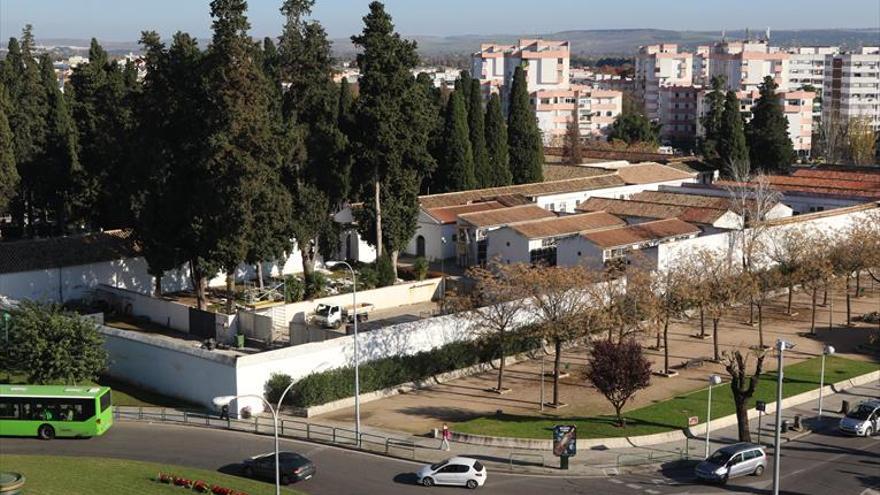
[224, 412]
[446, 435]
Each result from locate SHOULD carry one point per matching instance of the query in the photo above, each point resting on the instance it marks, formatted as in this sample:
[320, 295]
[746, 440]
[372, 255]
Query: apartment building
[796, 105]
[659, 66]
[851, 87]
[678, 113]
[554, 98]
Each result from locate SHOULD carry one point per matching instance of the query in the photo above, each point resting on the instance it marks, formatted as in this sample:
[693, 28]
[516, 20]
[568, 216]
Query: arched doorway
[420, 246]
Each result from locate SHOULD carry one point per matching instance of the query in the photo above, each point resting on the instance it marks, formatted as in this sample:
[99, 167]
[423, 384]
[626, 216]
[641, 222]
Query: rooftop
[56, 252]
[643, 232]
[506, 216]
[566, 225]
[645, 209]
[850, 187]
[449, 214]
[682, 199]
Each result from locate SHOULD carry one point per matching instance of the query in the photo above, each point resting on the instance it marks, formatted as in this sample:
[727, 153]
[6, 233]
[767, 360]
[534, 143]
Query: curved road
[818, 463]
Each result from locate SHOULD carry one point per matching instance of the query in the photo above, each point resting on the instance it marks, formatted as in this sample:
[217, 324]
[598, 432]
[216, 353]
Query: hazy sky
[122, 20]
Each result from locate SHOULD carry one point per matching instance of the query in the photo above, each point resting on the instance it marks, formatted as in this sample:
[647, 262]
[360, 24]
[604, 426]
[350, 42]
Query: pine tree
[391, 131]
[572, 147]
[524, 138]
[770, 147]
[435, 115]
[60, 172]
[496, 143]
[477, 129]
[711, 122]
[731, 146]
[632, 128]
[8, 172]
[456, 171]
[345, 107]
[463, 85]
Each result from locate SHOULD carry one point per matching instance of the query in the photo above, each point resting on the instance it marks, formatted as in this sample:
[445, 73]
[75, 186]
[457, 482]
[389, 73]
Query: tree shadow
[406, 479]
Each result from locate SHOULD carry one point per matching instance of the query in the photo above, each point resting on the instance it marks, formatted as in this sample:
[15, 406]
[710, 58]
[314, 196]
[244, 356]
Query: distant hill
[590, 42]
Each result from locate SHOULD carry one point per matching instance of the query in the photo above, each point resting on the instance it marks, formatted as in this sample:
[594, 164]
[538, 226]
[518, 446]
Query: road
[819, 463]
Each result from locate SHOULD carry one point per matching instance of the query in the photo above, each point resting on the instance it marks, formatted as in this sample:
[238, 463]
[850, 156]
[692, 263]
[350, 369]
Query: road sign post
[564, 443]
[761, 406]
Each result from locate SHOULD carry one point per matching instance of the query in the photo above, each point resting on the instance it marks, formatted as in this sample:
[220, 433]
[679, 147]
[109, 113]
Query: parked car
[292, 467]
[461, 471]
[733, 461]
[863, 421]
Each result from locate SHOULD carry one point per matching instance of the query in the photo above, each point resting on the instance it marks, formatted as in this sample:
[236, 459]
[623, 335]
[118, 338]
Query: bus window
[105, 401]
[71, 411]
[9, 409]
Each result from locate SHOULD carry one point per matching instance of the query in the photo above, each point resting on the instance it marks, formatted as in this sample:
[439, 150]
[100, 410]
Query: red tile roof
[643, 232]
[449, 214]
[506, 216]
[566, 225]
[56, 252]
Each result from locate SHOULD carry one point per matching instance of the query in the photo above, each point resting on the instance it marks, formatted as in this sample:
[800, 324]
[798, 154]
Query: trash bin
[844, 407]
[11, 483]
[797, 422]
[239, 341]
[784, 428]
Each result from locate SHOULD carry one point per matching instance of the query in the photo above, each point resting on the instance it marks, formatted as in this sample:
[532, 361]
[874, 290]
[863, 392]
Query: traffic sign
[693, 421]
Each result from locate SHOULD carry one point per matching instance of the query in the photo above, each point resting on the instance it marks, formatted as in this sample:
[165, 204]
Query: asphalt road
[820, 463]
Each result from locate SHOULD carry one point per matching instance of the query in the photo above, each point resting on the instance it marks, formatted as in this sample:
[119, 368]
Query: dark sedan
[293, 467]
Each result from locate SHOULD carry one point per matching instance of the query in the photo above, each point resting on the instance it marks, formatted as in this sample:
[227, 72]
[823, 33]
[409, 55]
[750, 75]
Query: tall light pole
[443, 267]
[713, 380]
[357, 380]
[6, 319]
[827, 351]
[225, 400]
[781, 346]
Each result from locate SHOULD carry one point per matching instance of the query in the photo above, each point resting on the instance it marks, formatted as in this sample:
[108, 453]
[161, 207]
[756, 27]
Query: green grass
[50, 475]
[124, 394]
[672, 413]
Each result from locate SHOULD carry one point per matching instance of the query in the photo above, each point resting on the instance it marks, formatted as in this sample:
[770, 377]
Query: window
[543, 256]
[9, 409]
[105, 401]
[455, 468]
[736, 459]
[454, 237]
[477, 466]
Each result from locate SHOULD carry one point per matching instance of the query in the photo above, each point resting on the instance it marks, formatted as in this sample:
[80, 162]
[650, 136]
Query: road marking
[634, 486]
[610, 471]
[652, 491]
[615, 480]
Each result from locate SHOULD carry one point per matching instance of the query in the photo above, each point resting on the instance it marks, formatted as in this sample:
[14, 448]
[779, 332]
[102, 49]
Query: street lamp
[225, 400]
[781, 346]
[827, 351]
[6, 319]
[443, 267]
[713, 380]
[357, 380]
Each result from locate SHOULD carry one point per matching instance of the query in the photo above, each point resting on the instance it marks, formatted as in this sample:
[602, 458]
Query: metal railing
[525, 459]
[651, 457]
[287, 428]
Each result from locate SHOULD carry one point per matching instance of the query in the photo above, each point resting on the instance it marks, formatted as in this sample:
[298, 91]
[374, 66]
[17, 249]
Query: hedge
[328, 386]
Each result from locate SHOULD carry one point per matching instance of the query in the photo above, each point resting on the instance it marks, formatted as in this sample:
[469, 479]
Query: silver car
[733, 461]
[461, 471]
[863, 421]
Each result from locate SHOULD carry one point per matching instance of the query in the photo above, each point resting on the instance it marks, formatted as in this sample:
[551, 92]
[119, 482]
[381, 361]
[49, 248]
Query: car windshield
[862, 412]
[719, 458]
[439, 465]
[323, 310]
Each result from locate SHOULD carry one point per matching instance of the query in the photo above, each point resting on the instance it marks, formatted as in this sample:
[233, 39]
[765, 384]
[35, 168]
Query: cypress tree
[572, 149]
[770, 147]
[496, 143]
[524, 138]
[345, 107]
[456, 171]
[711, 122]
[463, 85]
[8, 172]
[731, 146]
[477, 129]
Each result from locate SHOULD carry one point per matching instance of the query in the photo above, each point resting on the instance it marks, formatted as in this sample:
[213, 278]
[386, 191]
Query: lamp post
[713, 380]
[225, 400]
[443, 267]
[357, 380]
[6, 319]
[827, 351]
[781, 346]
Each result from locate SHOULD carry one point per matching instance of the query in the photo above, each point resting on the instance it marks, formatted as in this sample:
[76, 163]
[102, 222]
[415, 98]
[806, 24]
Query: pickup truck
[333, 316]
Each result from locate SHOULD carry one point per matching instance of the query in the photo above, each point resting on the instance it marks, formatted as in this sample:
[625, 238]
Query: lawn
[124, 394]
[672, 413]
[47, 475]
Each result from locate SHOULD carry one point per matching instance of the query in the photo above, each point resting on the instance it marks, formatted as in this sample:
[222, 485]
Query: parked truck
[334, 316]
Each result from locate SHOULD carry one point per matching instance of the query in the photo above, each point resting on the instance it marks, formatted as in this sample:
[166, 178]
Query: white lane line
[652, 491]
[634, 486]
[615, 480]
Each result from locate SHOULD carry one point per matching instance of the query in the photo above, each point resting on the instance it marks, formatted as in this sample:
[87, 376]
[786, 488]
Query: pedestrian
[224, 412]
[446, 435]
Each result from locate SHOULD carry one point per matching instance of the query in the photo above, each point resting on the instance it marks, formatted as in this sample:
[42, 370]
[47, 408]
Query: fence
[287, 428]
[652, 456]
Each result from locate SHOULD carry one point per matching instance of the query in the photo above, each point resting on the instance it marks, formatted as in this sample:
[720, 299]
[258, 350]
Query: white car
[864, 420]
[461, 471]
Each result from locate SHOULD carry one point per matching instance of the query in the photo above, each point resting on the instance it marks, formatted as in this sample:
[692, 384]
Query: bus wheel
[46, 432]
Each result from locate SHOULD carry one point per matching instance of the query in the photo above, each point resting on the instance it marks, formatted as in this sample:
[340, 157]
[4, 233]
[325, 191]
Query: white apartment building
[744, 64]
[851, 86]
[548, 75]
[659, 66]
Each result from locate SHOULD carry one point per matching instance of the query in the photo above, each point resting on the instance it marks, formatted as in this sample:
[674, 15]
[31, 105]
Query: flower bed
[198, 486]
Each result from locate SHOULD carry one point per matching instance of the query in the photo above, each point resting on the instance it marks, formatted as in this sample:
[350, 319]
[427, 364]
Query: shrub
[385, 271]
[367, 278]
[316, 285]
[421, 268]
[331, 385]
[275, 386]
[294, 289]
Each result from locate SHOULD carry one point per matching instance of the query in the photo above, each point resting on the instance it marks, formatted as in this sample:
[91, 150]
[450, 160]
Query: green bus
[47, 411]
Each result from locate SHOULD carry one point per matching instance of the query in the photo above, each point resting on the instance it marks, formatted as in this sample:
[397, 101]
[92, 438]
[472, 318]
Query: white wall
[160, 311]
[434, 247]
[507, 245]
[76, 282]
[576, 250]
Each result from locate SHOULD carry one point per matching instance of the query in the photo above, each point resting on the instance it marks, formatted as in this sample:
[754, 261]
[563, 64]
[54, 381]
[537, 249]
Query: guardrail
[522, 459]
[287, 428]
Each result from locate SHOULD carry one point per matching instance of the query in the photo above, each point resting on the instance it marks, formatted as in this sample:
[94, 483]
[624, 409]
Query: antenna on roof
[767, 34]
[748, 34]
[723, 35]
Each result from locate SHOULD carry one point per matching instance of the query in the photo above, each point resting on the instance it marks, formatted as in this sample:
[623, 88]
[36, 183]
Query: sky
[123, 20]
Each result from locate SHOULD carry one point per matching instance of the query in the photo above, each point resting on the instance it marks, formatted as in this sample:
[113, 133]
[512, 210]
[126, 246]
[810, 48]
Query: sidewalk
[606, 462]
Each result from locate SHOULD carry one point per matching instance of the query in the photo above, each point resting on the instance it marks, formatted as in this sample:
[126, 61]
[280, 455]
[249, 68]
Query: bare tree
[861, 140]
[723, 288]
[672, 291]
[558, 297]
[816, 270]
[790, 249]
[618, 371]
[743, 385]
[495, 306]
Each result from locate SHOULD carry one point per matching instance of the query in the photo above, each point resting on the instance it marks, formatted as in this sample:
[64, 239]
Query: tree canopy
[770, 147]
[525, 145]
